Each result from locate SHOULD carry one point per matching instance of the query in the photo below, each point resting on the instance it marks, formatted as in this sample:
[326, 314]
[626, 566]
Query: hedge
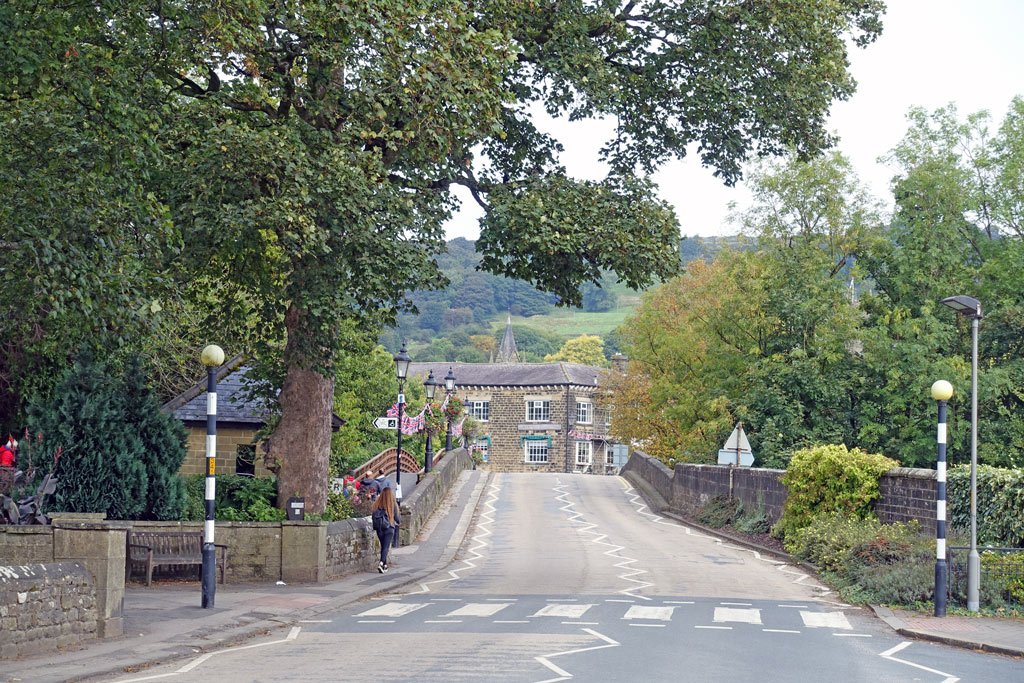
[1000, 504]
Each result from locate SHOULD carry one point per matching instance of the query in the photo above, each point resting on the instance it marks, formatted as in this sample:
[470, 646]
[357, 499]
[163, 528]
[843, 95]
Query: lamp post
[970, 308]
[430, 386]
[402, 361]
[212, 357]
[941, 392]
[449, 387]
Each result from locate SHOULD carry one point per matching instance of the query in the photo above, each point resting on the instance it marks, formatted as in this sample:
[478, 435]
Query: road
[570, 577]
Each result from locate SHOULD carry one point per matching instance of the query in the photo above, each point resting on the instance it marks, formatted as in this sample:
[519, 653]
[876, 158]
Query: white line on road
[720, 628]
[614, 600]
[795, 606]
[778, 630]
[744, 616]
[649, 612]
[562, 673]
[650, 625]
[393, 609]
[560, 610]
[563, 599]
[888, 654]
[825, 620]
[478, 609]
[738, 604]
[678, 602]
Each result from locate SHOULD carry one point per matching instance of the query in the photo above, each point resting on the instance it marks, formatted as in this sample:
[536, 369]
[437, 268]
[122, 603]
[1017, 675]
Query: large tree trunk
[301, 444]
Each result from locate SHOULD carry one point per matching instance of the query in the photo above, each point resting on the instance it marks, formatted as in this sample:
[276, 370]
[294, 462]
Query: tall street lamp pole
[430, 387]
[449, 387]
[970, 308]
[402, 361]
[941, 392]
[212, 357]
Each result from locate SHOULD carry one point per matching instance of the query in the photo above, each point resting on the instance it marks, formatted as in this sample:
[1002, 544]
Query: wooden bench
[154, 548]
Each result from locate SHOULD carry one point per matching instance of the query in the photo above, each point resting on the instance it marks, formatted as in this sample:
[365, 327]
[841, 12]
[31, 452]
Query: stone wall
[420, 504]
[905, 493]
[352, 546]
[26, 544]
[229, 438]
[44, 607]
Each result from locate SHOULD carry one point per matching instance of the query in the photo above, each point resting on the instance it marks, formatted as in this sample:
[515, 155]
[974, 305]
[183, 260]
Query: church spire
[507, 352]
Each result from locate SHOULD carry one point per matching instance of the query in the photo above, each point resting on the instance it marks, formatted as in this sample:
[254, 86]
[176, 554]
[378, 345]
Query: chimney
[620, 362]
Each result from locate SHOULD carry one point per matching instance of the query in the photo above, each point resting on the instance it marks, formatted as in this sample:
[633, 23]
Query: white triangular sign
[737, 440]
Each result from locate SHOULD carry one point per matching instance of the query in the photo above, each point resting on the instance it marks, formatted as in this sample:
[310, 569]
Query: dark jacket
[370, 484]
[397, 522]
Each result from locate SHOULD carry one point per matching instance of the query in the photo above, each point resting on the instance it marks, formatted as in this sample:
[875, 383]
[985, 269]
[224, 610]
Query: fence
[1002, 576]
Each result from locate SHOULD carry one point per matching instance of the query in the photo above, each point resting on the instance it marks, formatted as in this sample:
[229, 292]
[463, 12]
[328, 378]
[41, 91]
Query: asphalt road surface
[570, 577]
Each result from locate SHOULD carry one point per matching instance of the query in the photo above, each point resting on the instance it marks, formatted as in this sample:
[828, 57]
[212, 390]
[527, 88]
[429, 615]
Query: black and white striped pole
[942, 391]
[212, 357]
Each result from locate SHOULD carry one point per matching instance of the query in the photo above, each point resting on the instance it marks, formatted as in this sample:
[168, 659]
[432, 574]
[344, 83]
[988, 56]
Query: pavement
[166, 623]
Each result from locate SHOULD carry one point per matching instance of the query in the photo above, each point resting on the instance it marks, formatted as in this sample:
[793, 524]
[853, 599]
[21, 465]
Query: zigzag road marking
[613, 550]
[480, 539]
[642, 509]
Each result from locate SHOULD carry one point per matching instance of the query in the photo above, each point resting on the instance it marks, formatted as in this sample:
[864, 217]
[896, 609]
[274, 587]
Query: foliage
[292, 165]
[1000, 504]
[719, 511]
[586, 350]
[754, 521]
[236, 498]
[830, 479]
[1005, 573]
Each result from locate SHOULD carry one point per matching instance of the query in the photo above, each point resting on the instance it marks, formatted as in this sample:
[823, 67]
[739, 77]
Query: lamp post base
[941, 578]
[209, 574]
[973, 580]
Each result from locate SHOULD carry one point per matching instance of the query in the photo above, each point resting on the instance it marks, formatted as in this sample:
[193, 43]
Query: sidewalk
[165, 622]
[990, 634]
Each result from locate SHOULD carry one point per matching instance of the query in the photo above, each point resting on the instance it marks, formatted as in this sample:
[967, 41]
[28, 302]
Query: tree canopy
[283, 166]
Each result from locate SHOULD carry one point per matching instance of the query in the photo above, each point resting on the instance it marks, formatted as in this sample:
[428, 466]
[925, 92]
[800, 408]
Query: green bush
[830, 479]
[718, 511]
[1000, 503]
[753, 521]
[236, 498]
[902, 583]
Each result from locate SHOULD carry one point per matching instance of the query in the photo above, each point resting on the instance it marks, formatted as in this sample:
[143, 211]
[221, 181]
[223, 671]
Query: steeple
[507, 352]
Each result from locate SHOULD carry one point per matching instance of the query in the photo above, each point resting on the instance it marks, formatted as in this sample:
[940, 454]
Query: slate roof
[230, 404]
[512, 374]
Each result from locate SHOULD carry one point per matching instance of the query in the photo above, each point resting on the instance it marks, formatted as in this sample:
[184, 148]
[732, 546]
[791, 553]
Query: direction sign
[386, 423]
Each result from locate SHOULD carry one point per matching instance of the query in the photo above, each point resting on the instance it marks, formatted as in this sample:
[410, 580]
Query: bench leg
[149, 573]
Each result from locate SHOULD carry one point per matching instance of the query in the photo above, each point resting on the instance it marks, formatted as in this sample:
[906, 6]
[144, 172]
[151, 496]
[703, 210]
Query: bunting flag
[445, 403]
[392, 411]
[457, 428]
[586, 436]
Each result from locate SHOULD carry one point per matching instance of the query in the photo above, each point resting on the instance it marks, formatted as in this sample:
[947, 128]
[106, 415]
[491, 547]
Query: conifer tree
[101, 469]
[163, 445]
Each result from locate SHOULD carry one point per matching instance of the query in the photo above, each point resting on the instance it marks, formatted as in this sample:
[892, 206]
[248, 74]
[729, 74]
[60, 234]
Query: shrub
[830, 479]
[718, 511]
[239, 499]
[1000, 503]
[847, 547]
[903, 583]
[753, 521]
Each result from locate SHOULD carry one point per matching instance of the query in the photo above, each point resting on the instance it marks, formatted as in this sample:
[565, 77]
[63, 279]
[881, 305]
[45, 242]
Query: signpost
[385, 422]
[736, 450]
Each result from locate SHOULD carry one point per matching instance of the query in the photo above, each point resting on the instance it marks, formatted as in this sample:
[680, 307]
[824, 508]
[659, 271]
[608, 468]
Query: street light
[212, 357]
[970, 308]
[941, 392]
[449, 387]
[431, 388]
[402, 361]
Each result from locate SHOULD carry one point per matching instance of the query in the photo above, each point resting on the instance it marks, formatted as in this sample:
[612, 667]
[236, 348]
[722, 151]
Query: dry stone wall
[44, 607]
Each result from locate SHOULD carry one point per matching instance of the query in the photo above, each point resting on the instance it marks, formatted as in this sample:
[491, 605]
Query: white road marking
[613, 550]
[645, 612]
[678, 602]
[888, 654]
[720, 628]
[502, 599]
[825, 620]
[563, 599]
[393, 609]
[650, 625]
[292, 635]
[737, 604]
[778, 630]
[565, 611]
[800, 606]
[852, 635]
[562, 673]
[478, 609]
[615, 600]
[745, 616]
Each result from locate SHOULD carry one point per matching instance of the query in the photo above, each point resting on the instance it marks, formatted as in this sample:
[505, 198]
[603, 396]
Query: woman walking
[385, 519]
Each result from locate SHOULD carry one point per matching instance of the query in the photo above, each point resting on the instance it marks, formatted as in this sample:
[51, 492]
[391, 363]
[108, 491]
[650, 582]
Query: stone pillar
[304, 552]
[100, 548]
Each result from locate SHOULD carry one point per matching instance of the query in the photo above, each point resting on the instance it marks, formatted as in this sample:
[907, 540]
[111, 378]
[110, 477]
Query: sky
[930, 53]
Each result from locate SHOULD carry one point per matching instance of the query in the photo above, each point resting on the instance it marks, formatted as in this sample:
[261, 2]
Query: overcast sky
[931, 53]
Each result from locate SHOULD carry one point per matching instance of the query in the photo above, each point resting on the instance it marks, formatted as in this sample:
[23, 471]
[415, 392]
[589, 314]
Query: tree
[586, 349]
[303, 156]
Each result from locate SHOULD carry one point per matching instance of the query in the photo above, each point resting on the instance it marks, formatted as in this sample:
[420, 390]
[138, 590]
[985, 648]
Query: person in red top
[6, 457]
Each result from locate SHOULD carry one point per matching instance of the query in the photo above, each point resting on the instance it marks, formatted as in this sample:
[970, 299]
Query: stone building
[535, 417]
[238, 420]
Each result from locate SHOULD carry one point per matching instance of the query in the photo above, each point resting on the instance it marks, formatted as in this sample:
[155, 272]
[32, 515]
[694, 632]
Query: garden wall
[44, 607]
[905, 493]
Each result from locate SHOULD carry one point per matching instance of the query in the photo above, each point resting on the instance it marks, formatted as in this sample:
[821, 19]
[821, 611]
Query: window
[245, 460]
[584, 412]
[479, 410]
[482, 445]
[536, 450]
[538, 411]
[583, 452]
